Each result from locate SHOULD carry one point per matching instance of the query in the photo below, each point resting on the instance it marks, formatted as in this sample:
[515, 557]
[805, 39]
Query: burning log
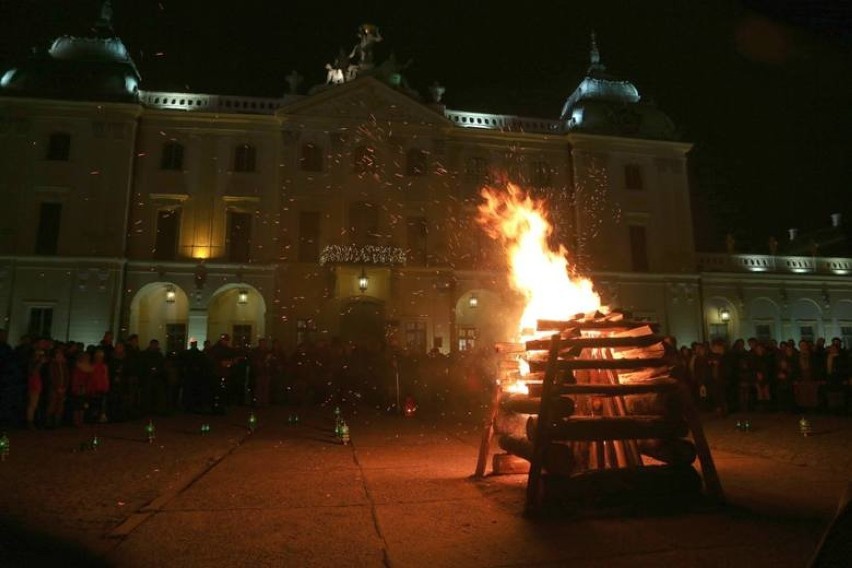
[557, 459]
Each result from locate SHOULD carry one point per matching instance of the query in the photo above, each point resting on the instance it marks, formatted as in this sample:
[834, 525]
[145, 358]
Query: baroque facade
[348, 211]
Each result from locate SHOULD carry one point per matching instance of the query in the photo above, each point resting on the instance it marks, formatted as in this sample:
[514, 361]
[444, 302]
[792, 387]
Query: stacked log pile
[602, 422]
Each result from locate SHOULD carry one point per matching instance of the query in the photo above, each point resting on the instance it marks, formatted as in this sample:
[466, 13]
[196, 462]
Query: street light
[473, 301]
[170, 294]
[363, 281]
[242, 297]
[725, 314]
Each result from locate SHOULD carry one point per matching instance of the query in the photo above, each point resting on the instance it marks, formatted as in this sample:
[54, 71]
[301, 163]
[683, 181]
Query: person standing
[59, 380]
[80, 380]
[99, 385]
[34, 386]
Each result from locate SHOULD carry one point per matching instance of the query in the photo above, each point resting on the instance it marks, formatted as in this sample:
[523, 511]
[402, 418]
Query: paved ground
[399, 495]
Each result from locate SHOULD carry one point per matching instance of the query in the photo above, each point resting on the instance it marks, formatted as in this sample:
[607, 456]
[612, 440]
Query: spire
[595, 56]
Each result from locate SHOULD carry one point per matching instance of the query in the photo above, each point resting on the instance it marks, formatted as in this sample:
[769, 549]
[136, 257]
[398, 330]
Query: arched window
[416, 162]
[59, 147]
[172, 157]
[364, 160]
[311, 159]
[245, 158]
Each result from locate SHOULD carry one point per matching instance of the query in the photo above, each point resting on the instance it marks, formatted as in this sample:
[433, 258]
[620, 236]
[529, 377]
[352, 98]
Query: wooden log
[599, 342]
[645, 487]
[508, 464]
[667, 386]
[675, 451]
[563, 325]
[487, 435]
[572, 364]
[705, 458]
[617, 428]
[525, 404]
[511, 423]
[534, 487]
[556, 459]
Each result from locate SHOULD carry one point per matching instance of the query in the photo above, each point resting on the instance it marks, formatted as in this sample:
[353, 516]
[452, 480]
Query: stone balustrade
[504, 122]
[777, 264]
[211, 103]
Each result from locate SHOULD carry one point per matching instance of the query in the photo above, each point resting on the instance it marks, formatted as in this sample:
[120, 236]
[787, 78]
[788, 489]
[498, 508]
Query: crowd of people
[48, 384]
[752, 375]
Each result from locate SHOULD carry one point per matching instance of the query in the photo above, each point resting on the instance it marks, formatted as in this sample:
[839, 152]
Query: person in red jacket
[99, 385]
[80, 380]
[34, 386]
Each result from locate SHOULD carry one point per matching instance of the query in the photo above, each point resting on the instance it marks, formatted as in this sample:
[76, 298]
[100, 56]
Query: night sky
[762, 88]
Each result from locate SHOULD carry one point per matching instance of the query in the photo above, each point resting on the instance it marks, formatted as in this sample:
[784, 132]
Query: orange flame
[541, 274]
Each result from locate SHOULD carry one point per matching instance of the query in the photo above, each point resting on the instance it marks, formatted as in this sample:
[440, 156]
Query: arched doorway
[362, 322]
[238, 310]
[160, 310]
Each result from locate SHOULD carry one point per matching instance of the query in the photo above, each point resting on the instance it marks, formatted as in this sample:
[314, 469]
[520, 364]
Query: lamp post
[242, 296]
[363, 281]
[725, 315]
[170, 294]
[473, 301]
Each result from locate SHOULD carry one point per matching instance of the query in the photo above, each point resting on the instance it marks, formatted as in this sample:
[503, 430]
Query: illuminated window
[311, 159]
[47, 235]
[168, 231]
[467, 338]
[416, 162]
[245, 158]
[172, 156]
[59, 147]
[846, 336]
[633, 177]
[364, 160]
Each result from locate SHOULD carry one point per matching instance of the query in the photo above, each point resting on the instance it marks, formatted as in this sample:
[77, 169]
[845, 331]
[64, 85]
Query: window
[59, 147]
[763, 332]
[311, 160]
[476, 168]
[418, 231]
[47, 236]
[416, 162]
[806, 333]
[415, 336]
[309, 236]
[239, 236]
[467, 338]
[175, 337]
[364, 160]
[541, 175]
[633, 177]
[41, 322]
[363, 223]
[846, 336]
[245, 158]
[719, 331]
[241, 335]
[168, 232]
[638, 248]
[172, 157]
[304, 327]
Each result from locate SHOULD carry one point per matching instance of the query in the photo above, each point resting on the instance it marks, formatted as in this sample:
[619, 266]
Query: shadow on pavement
[20, 546]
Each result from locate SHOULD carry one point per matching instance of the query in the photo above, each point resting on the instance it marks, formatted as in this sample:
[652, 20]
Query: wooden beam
[572, 364]
[600, 428]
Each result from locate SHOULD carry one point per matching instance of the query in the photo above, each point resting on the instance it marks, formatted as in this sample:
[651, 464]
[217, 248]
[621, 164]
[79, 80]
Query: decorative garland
[362, 254]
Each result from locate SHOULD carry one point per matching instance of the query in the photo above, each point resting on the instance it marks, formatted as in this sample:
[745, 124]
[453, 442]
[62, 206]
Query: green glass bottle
[252, 422]
[151, 431]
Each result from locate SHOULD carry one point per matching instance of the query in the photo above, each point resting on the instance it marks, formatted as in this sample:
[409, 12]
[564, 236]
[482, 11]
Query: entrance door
[363, 323]
[241, 336]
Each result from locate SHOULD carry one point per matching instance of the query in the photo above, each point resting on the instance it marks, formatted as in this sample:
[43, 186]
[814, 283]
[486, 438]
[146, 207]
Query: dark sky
[762, 88]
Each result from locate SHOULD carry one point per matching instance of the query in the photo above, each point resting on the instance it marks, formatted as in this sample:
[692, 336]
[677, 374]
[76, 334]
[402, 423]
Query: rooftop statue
[362, 53]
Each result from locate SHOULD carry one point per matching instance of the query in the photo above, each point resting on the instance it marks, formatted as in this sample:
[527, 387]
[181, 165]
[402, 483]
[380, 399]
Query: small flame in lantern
[541, 274]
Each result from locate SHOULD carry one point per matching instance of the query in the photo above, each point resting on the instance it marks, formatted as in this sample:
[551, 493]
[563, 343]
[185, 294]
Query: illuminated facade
[348, 212]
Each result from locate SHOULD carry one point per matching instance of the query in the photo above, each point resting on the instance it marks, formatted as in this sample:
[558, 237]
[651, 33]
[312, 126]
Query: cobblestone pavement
[399, 495]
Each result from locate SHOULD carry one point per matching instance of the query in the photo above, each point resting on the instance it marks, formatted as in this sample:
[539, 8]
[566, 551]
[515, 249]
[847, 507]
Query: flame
[539, 273]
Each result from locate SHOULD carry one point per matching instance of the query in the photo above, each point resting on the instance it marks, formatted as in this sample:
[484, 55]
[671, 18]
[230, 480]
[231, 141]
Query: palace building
[347, 210]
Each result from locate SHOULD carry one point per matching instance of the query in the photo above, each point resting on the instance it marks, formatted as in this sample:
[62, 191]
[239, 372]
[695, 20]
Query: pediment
[365, 99]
